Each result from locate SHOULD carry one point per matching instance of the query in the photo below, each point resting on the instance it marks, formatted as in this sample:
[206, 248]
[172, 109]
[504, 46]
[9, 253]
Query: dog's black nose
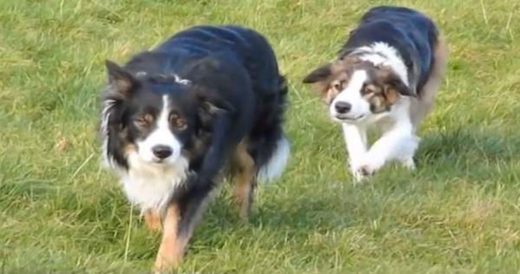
[162, 152]
[342, 107]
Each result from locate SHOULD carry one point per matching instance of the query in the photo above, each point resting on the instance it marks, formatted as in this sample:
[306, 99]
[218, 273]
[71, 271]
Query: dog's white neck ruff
[381, 53]
[150, 186]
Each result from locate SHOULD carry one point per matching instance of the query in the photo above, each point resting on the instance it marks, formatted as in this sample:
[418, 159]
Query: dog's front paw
[360, 173]
[364, 170]
[358, 176]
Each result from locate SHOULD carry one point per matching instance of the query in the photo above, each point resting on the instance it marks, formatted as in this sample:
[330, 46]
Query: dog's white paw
[408, 163]
[358, 177]
[365, 169]
[362, 171]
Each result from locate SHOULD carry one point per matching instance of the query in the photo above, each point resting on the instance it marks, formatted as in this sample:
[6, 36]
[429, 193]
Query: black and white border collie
[386, 75]
[209, 99]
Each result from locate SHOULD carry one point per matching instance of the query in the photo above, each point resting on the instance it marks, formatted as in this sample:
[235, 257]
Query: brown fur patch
[244, 172]
[329, 95]
[176, 235]
[172, 246]
[380, 95]
[152, 219]
[391, 96]
[129, 148]
[332, 78]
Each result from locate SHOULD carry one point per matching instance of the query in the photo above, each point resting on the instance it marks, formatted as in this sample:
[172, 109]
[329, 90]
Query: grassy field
[458, 213]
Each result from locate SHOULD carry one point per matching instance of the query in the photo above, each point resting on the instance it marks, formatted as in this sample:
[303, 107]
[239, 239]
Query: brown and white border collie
[386, 76]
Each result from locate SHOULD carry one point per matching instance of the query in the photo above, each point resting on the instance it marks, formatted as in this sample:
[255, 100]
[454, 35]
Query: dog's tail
[274, 167]
[273, 148]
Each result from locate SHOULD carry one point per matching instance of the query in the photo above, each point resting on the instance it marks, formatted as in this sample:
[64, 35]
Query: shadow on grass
[473, 154]
[472, 144]
[477, 156]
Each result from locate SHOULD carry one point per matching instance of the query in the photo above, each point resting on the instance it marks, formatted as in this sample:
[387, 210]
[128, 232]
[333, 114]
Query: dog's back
[254, 52]
[413, 34]
[241, 44]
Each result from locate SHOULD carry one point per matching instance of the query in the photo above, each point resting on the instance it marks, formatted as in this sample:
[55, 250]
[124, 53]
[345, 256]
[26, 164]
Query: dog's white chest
[151, 186]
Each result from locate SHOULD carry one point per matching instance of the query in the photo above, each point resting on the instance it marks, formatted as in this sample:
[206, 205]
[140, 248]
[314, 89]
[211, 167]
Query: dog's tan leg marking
[177, 232]
[172, 246]
[152, 218]
[424, 104]
[245, 180]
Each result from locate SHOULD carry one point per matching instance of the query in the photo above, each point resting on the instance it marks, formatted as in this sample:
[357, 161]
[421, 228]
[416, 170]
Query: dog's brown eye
[144, 121]
[178, 122]
[337, 85]
[368, 89]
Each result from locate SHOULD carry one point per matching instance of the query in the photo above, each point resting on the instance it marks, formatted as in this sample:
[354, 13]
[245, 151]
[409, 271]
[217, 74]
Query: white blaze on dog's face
[160, 145]
[350, 104]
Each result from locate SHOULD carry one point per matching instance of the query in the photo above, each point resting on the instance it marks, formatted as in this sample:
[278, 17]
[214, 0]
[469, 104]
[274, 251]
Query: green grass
[458, 213]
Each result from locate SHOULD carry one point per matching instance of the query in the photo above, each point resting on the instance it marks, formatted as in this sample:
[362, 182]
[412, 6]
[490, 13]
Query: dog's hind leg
[424, 104]
[245, 179]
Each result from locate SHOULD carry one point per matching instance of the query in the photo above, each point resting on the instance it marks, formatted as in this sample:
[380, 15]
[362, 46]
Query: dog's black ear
[211, 105]
[119, 88]
[319, 74]
[120, 81]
